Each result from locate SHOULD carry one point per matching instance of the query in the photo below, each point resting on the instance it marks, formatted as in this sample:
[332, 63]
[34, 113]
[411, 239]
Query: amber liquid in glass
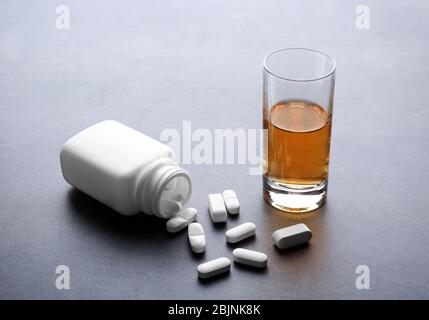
[298, 144]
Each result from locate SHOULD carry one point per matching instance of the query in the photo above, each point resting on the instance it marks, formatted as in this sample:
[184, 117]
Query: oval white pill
[231, 202]
[172, 195]
[181, 220]
[169, 208]
[250, 257]
[240, 232]
[292, 236]
[214, 267]
[196, 236]
[217, 208]
[171, 185]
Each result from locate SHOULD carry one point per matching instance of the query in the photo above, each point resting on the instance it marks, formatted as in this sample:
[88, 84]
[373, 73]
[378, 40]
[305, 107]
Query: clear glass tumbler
[298, 95]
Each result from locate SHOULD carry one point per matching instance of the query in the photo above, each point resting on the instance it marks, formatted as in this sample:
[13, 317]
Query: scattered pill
[292, 236]
[213, 267]
[217, 208]
[231, 202]
[197, 238]
[250, 257]
[181, 220]
[240, 232]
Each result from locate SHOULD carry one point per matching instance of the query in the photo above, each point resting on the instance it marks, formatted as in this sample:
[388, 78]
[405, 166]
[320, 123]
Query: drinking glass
[298, 95]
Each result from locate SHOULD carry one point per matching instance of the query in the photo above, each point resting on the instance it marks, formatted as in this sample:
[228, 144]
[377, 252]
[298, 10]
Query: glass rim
[330, 73]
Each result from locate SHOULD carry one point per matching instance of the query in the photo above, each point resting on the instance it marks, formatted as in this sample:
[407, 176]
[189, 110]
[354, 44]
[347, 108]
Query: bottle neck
[165, 189]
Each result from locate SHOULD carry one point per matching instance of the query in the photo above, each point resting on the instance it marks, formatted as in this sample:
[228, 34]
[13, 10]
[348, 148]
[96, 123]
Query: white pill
[181, 220]
[292, 236]
[217, 207]
[171, 185]
[231, 202]
[197, 239]
[240, 232]
[250, 257]
[169, 208]
[172, 195]
[213, 267]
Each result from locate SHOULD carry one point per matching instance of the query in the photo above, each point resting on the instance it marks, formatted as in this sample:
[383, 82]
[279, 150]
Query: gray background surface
[153, 64]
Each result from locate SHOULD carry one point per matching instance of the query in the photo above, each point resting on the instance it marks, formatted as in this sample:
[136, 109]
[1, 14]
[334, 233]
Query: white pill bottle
[126, 170]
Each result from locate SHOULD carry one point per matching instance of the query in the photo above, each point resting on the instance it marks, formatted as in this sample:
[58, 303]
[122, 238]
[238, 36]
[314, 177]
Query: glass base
[295, 198]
